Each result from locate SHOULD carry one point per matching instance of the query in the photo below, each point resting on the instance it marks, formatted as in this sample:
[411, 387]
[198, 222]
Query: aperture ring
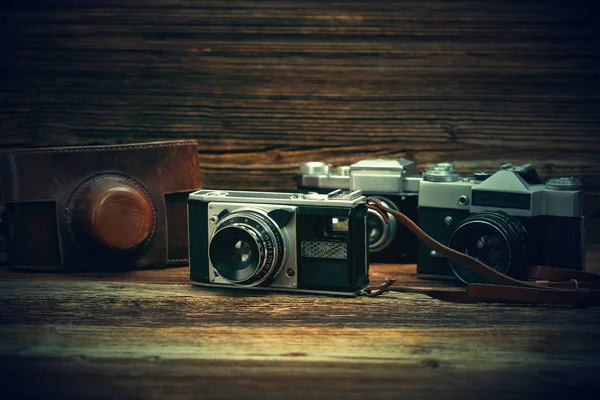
[272, 249]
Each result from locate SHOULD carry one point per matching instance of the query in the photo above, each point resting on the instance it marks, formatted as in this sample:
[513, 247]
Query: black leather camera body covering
[402, 248]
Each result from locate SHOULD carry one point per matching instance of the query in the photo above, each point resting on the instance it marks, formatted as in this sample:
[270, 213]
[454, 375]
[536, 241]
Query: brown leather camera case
[98, 207]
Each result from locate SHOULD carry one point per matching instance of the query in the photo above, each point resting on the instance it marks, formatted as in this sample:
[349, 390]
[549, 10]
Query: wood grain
[275, 362]
[265, 86]
[152, 334]
[185, 306]
[398, 345]
[156, 378]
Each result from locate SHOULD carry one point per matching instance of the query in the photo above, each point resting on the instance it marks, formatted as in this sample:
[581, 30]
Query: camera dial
[441, 172]
[564, 183]
[247, 248]
[379, 233]
[315, 168]
[343, 170]
[494, 238]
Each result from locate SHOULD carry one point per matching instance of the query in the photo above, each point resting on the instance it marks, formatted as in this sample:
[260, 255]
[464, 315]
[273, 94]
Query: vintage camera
[394, 181]
[279, 241]
[509, 220]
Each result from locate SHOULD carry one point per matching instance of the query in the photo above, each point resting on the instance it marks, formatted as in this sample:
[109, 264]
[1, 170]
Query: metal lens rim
[388, 233]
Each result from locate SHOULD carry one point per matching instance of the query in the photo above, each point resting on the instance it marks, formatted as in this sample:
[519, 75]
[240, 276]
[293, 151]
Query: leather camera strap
[548, 285]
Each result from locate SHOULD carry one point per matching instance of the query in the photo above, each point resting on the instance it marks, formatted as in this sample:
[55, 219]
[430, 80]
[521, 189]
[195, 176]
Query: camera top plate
[369, 175]
[337, 198]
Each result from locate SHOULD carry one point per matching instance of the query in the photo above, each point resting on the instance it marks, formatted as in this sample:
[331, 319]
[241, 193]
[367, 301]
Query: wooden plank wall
[266, 85]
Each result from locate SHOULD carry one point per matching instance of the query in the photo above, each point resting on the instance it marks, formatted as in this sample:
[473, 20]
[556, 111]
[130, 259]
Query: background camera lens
[375, 227]
[379, 233]
[494, 238]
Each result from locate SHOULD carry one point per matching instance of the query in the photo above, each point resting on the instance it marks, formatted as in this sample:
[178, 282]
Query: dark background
[265, 86]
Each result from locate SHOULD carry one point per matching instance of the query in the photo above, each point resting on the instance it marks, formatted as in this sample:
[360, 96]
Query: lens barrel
[379, 233]
[496, 239]
[247, 248]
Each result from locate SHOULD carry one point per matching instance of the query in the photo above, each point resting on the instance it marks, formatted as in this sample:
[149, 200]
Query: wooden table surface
[150, 334]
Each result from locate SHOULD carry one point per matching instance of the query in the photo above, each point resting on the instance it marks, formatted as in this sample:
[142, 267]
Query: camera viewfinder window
[339, 225]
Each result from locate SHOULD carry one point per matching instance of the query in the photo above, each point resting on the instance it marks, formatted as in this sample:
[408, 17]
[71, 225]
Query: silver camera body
[375, 175]
[508, 219]
[279, 241]
[394, 181]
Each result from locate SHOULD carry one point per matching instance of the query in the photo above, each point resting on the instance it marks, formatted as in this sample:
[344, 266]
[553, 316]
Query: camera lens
[494, 238]
[235, 253]
[247, 248]
[379, 233]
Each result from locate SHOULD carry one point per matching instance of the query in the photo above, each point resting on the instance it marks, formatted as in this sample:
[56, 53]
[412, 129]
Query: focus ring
[268, 240]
